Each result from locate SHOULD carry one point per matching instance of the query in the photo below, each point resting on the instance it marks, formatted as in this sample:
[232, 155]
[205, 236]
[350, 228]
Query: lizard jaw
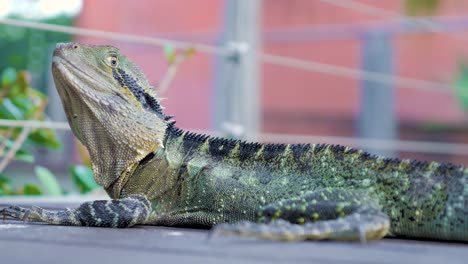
[69, 74]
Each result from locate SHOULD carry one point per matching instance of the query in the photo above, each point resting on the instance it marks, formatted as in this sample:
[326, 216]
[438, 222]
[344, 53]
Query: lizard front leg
[124, 212]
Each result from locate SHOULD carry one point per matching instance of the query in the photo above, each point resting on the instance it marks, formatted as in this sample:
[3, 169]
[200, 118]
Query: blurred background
[390, 77]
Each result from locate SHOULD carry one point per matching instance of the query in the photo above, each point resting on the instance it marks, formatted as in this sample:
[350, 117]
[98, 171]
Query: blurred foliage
[48, 181]
[422, 7]
[24, 48]
[81, 175]
[84, 154]
[18, 101]
[173, 56]
[170, 53]
[83, 178]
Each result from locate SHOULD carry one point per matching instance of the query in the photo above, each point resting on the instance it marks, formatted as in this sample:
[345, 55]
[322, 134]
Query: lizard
[158, 174]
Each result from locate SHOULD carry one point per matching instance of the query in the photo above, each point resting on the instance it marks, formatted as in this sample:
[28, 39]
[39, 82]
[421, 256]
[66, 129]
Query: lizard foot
[15, 212]
[37, 214]
[339, 229]
[276, 230]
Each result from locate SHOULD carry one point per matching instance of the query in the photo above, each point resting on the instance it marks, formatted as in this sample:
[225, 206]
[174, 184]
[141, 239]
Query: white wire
[268, 58]
[400, 145]
[160, 42]
[34, 124]
[363, 8]
[357, 74]
[381, 12]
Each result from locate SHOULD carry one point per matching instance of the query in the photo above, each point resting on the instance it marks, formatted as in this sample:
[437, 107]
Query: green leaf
[8, 110]
[25, 157]
[22, 81]
[31, 189]
[37, 97]
[170, 53]
[83, 178]
[422, 7]
[48, 181]
[8, 76]
[22, 153]
[4, 179]
[5, 185]
[45, 138]
[190, 52]
[24, 103]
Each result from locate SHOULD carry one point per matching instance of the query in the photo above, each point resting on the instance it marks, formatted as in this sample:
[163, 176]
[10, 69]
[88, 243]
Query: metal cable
[266, 57]
[34, 124]
[383, 13]
[357, 74]
[160, 42]
[400, 145]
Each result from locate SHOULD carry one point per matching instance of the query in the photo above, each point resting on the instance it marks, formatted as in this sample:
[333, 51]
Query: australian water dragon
[158, 174]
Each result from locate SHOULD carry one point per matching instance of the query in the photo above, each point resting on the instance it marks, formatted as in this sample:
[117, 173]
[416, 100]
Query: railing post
[237, 86]
[377, 118]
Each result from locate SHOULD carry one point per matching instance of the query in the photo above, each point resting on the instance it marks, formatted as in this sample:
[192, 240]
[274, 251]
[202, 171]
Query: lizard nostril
[60, 45]
[75, 46]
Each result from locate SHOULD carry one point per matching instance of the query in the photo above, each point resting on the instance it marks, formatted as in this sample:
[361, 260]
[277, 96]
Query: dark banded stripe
[147, 101]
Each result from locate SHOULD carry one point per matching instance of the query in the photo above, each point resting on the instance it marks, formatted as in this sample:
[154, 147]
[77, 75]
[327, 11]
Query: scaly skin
[158, 174]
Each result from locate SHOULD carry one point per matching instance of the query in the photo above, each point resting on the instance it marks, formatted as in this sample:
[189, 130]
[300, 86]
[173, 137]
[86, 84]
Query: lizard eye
[112, 61]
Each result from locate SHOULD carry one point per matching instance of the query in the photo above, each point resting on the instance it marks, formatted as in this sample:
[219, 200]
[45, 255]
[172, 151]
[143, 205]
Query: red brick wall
[428, 56]
[311, 98]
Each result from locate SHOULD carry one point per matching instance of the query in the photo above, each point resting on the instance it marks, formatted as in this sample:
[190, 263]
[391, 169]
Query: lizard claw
[15, 212]
[26, 216]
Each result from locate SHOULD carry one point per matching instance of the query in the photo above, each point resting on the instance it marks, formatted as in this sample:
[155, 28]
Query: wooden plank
[21, 242]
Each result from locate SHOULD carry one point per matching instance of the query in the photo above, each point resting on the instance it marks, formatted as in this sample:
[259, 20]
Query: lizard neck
[116, 144]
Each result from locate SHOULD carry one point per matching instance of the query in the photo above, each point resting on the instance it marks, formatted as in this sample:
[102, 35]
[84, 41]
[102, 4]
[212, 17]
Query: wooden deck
[38, 243]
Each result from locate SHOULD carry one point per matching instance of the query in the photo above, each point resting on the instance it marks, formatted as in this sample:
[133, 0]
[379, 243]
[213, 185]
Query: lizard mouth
[80, 82]
[65, 88]
[71, 74]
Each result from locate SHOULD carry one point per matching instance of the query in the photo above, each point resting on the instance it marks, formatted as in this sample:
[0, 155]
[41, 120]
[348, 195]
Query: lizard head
[110, 107]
